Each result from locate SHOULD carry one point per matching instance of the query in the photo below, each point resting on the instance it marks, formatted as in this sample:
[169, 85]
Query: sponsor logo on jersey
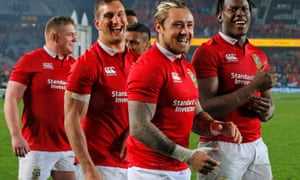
[48, 66]
[36, 172]
[110, 71]
[57, 84]
[120, 96]
[231, 58]
[241, 79]
[256, 60]
[175, 77]
[187, 105]
[193, 78]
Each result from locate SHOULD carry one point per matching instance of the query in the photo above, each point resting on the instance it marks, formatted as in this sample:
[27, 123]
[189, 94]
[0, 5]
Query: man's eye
[190, 25]
[233, 9]
[133, 42]
[178, 25]
[109, 15]
[245, 9]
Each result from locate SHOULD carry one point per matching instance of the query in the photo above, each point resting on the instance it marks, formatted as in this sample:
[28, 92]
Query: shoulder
[151, 61]
[33, 57]
[210, 50]
[35, 53]
[89, 55]
[210, 46]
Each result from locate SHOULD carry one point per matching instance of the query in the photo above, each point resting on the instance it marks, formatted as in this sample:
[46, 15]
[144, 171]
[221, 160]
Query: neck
[117, 45]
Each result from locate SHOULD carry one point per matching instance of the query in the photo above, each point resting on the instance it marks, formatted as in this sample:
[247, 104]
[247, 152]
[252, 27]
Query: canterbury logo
[110, 71]
[231, 58]
[48, 65]
[176, 77]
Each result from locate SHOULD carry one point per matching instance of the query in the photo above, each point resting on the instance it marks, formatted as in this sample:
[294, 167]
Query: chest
[238, 68]
[180, 84]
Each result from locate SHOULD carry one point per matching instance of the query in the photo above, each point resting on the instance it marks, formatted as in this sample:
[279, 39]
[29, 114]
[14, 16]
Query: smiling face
[66, 38]
[111, 22]
[235, 18]
[177, 31]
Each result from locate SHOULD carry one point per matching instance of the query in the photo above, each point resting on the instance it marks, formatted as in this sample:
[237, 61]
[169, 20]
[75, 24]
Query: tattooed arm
[140, 116]
[140, 127]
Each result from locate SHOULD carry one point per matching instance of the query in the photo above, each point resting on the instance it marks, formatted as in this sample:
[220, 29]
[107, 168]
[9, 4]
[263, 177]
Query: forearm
[151, 136]
[13, 96]
[202, 124]
[78, 142]
[140, 116]
[75, 111]
[11, 111]
[221, 105]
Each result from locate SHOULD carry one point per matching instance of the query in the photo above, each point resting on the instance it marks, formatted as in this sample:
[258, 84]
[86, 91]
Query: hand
[228, 129]
[123, 152]
[20, 146]
[264, 80]
[92, 175]
[262, 106]
[203, 163]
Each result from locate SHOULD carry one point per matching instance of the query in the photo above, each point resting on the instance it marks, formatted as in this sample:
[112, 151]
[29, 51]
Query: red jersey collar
[171, 56]
[53, 54]
[228, 39]
[107, 49]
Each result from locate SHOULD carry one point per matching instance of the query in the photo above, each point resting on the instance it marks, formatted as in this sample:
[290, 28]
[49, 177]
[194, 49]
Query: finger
[216, 125]
[206, 149]
[238, 137]
[19, 152]
[261, 67]
[208, 168]
[205, 171]
[213, 162]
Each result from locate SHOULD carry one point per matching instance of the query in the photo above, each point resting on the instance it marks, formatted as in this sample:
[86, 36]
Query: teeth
[240, 22]
[183, 40]
[116, 28]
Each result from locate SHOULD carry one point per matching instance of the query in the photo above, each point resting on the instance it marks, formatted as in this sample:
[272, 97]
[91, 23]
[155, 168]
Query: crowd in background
[15, 39]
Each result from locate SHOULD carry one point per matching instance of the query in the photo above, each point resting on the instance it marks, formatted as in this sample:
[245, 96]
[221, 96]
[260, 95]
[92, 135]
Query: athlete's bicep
[75, 106]
[15, 90]
[208, 87]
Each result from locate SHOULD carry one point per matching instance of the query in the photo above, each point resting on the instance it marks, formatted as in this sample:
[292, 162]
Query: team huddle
[125, 110]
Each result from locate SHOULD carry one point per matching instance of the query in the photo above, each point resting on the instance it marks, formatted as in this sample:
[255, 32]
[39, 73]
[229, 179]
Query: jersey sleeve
[83, 74]
[22, 71]
[144, 81]
[205, 62]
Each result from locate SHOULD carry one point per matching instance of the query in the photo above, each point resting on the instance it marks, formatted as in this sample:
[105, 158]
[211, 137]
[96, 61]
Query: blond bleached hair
[161, 13]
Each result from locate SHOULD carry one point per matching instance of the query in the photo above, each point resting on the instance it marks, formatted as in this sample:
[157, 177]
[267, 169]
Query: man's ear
[220, 19]
[157, 27]
[54, 36]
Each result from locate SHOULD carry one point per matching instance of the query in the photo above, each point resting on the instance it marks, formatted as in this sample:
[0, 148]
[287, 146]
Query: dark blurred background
[22, 24]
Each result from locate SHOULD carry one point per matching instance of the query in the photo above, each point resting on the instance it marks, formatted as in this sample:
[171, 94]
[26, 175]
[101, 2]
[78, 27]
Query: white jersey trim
[80, 97]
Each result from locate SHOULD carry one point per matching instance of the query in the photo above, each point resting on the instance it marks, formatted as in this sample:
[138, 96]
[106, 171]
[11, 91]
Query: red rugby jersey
[43, 113]
[103, 77]
[173, 87]
[235, 67]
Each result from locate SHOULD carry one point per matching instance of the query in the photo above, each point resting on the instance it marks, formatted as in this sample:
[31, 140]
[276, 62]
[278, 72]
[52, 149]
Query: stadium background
[275, 28]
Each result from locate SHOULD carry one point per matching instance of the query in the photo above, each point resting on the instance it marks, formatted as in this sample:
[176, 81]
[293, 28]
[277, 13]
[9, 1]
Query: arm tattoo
[141, 127]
